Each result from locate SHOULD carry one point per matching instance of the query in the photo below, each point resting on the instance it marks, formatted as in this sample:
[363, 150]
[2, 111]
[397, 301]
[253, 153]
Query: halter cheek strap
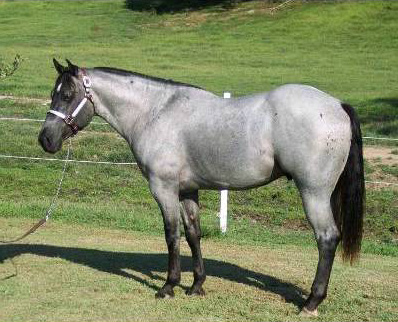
[69, 119]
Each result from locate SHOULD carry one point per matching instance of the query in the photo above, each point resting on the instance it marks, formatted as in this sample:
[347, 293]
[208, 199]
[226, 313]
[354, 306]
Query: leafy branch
[9, 69]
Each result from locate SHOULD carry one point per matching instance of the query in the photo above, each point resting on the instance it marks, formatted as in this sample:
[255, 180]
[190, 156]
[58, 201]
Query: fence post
[224, 197]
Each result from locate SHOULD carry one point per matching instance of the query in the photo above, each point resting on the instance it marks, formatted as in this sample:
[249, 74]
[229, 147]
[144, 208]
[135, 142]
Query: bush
[163, 6]
[9, 69]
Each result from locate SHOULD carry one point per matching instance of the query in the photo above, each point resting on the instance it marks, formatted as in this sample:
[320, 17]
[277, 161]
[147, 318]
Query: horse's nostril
[45, 140]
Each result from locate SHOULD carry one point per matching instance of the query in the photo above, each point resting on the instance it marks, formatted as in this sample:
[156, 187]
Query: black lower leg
[172, 234]
[327, 249]
[199, 275]
[173, 271]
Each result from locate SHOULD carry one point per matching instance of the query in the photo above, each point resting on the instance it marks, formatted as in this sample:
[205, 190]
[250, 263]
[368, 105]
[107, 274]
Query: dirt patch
[26, 99]
[381, 155]
[382, 167]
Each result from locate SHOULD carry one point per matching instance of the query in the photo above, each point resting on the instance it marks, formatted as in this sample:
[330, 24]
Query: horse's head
[71, 109]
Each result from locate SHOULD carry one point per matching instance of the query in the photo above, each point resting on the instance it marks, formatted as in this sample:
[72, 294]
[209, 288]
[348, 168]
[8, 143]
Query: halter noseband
[69, 119]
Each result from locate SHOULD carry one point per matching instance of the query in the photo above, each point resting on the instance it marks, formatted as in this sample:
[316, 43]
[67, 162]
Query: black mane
[156, 79]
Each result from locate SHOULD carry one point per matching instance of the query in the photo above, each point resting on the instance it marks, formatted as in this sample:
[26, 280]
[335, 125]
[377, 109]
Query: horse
[185, 138]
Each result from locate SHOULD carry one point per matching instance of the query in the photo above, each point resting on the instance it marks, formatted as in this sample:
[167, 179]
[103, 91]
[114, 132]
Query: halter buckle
[86, 82]
[69, 120]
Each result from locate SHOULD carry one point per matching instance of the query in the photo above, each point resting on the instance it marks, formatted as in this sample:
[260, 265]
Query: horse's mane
[152, 78]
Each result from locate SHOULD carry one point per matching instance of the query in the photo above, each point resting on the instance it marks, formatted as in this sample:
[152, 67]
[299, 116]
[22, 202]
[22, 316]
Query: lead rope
[52, 205]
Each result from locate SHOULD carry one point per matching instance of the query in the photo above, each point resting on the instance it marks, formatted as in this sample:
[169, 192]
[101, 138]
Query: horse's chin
[52, 150]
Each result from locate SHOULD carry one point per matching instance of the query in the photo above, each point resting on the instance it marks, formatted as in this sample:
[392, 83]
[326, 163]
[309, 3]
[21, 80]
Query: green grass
[346, 49]
[99, 274]
[243, 50]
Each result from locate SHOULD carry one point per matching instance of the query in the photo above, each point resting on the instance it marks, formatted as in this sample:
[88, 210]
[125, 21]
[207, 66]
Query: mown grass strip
[86, 273]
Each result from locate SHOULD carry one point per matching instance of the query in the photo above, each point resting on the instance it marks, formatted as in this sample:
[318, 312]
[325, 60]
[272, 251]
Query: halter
[69, 119]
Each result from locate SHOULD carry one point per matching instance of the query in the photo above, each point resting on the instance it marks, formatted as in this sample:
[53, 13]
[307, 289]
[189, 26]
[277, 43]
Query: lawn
[348, 49]
[100, 274]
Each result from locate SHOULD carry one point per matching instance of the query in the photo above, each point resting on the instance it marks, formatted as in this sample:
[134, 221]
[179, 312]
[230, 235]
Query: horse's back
[249, 141]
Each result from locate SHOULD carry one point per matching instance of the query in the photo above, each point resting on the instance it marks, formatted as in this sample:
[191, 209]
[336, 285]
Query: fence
[223, 193]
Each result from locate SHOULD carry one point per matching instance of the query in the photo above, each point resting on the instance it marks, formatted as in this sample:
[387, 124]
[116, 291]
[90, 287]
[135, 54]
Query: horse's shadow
[147, 263]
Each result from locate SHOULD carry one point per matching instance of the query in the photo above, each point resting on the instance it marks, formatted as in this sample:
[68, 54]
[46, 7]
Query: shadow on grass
[392, 101]
[170, 6]
[380, 115]
[117, 262]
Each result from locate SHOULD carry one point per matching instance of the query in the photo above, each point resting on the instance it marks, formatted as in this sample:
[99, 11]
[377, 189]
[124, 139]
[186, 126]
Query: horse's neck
[127, 104]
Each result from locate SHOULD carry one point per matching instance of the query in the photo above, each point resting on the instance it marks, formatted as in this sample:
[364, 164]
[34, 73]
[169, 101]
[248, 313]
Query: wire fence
[17, 119]
[6, 156]
[5, 118]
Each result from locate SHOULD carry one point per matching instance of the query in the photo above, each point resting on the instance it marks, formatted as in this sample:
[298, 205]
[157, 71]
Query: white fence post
[223, 210]
[224, 197]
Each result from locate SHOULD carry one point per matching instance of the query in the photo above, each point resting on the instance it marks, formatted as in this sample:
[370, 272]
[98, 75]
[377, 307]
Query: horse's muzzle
[48, 141]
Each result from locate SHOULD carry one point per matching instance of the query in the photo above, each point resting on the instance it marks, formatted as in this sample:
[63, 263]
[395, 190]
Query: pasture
[103, 256]
[101, 274]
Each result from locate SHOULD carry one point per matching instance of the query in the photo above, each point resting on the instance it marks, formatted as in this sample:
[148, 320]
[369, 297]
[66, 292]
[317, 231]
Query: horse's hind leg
[319, 213]
[190, 217]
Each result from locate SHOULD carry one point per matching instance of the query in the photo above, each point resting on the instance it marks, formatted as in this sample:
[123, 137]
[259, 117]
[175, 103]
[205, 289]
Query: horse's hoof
[196, 291]
[162, 294]
[306, 312]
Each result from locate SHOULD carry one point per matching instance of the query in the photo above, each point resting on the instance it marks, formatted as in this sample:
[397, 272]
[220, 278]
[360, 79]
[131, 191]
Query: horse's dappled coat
[185, 139]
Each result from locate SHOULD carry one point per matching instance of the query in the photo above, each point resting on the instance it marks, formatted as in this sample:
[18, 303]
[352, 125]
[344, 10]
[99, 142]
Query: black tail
[348, 198]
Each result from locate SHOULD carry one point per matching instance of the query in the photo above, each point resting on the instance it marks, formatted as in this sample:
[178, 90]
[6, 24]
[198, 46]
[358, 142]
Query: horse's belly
[230, 172]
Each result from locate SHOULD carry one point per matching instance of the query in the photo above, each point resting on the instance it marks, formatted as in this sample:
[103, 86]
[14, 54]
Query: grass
[243, 50]
[101, 274]
[342, 48]
[117, 196]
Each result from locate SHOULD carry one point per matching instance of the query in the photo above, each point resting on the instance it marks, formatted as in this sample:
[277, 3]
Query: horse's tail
[348, 198]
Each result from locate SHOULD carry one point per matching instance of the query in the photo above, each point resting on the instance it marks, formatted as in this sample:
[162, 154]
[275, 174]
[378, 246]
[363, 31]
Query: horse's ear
[60, 69]
[73, 69]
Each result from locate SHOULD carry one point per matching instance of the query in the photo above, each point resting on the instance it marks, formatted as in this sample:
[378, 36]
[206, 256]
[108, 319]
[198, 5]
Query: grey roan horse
[185, 139]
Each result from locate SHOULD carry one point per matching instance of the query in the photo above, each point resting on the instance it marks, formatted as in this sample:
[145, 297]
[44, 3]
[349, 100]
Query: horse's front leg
[165, 193]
